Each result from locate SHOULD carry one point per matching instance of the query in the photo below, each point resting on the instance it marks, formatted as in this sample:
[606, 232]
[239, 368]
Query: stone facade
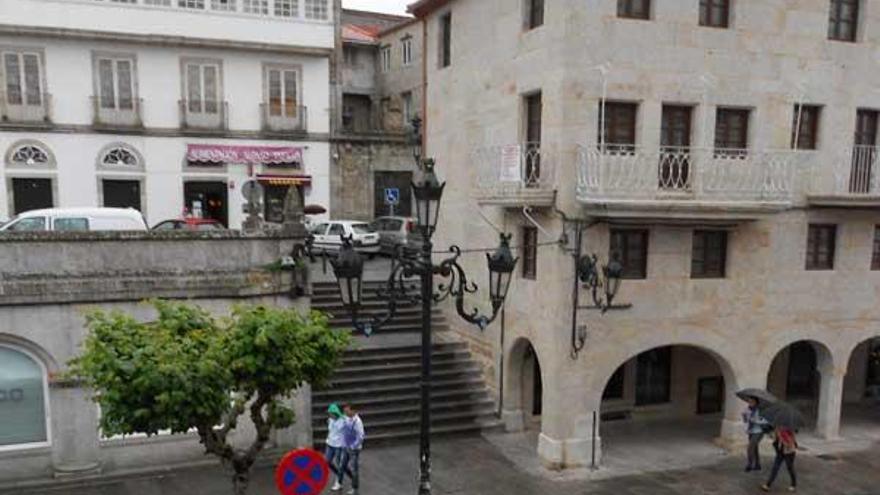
[772, 58]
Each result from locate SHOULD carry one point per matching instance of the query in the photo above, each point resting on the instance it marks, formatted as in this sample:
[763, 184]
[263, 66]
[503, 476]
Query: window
[533, 116]
[820, 247]
[191, 4]
[31, 224]
[116, 83]
[336, 229]
[71, 224]
[23, 417]
[23, 78]
[120, 157]
[30, 155]
[31, 194]
[614, 388]
[709, 254]
[530, 253]
[843, 20]
[875, 257]
[653, 376]
[630, 248]
[534, 13]
[675, 142]
[446, 40]
[407, 46]
[223, 5]
[731, 131]
[255, 6]
[286, 8]
[407, 98]
[316, 9]
[714, 13]
[805, 127]
[618, 131]
[202, 87]
[157, 2]
[385, 58]
[282, 92]
[634, 9]
[864, 151]
[121, 194]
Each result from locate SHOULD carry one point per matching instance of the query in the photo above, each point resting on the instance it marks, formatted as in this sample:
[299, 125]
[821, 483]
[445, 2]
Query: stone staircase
[380, 375]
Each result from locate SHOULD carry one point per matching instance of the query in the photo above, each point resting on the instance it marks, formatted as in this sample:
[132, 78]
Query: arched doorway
[796, 375]
[524, 388]
[23, 400]
[671, 395]
[860, 417]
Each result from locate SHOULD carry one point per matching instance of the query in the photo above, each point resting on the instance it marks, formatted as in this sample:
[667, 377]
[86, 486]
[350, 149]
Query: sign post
[392, 198]
[302, 472]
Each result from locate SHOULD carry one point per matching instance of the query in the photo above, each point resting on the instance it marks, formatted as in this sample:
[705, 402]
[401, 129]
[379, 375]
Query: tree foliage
[190, 371]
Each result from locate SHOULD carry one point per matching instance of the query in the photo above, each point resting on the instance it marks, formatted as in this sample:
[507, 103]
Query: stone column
[830, 402]
[74, 432]
[581, 449]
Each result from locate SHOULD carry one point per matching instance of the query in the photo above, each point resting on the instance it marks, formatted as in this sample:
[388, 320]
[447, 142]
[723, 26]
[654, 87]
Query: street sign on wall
[392, 196]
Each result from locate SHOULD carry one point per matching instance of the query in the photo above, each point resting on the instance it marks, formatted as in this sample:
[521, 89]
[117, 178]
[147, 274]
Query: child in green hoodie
[335, 441]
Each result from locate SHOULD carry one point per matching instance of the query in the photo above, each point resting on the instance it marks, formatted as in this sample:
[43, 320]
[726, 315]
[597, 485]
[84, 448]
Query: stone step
[414, 357]
[403, 349]
[378, 413]
[345, 381]
[355, 393]
[407, 432]
[403, 399]
[439, 416]
[414, 367]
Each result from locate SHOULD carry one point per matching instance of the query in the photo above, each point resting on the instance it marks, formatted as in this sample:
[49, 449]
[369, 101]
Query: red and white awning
[252, 155]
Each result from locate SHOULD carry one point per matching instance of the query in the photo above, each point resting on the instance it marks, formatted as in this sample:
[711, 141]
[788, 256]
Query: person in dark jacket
[785, 445]
[755, 428]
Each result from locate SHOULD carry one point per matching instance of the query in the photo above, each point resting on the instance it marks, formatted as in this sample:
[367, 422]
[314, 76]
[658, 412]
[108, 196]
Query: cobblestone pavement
[475, 466]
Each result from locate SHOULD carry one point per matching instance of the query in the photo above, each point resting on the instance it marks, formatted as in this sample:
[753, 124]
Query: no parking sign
[302, 472]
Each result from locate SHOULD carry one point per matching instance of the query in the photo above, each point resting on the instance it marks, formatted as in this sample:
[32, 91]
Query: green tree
[190, 371]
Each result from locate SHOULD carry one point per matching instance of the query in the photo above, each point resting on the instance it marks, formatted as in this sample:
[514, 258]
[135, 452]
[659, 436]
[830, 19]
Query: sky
[387, 6]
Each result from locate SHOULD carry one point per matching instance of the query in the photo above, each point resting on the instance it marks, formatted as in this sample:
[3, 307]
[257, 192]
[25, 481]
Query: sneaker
[792, 488]
[336, 487]
[765, 487]
[352, 492]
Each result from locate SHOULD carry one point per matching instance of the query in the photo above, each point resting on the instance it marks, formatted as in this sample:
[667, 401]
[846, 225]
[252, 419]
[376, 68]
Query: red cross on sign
[302, 472]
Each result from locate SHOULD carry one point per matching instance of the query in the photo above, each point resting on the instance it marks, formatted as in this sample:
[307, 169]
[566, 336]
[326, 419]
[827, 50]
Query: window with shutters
[385, 58]
[23, 77]
[407, 48]
[805, 127]
[731, 131]
[709, 254]
[282, 91]
[116, 86]
[630, 248]
[843, 20]
[715, 13]
[534, 13]
[821, 240]
[202, 87]
[634, 9]
[618, 131]
[875, 256]
[530, 253]
[446, 40]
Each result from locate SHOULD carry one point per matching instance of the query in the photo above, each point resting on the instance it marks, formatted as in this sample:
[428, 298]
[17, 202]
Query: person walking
[353, 438]
[785, 445]
[755, 428]
[335, 442]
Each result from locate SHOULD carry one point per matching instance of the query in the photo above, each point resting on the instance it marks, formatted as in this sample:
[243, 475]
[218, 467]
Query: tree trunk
[240, 483]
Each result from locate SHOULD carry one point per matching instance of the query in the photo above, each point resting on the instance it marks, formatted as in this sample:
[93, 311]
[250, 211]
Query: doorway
[31, 194]
[122, 193]
[207, 200]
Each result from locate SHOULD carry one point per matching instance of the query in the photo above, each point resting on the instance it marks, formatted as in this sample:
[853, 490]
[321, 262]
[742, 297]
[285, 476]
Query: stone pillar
[830, 402]
[581, 449]
[513, 420]
[74, 432]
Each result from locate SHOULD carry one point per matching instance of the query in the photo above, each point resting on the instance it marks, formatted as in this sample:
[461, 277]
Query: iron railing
[524, 168]
[25, 113]
[118, 113]
[203, 114]
[279, 119]
[850, 172]
[689, 173]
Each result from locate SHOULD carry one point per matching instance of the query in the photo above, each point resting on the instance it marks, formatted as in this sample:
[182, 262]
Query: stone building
[164, 106]
[724, 152]
[379, 89]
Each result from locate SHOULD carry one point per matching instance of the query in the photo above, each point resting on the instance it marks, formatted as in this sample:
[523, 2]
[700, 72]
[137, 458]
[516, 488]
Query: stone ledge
[222, 235]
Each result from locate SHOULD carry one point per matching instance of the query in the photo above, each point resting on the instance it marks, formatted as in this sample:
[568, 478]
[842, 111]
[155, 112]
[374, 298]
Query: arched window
[120, 157]
[22, 400]
[29, 155]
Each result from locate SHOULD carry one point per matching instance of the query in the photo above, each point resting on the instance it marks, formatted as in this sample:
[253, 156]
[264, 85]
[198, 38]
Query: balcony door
[532, 156]
[675, 143]
[864, 151]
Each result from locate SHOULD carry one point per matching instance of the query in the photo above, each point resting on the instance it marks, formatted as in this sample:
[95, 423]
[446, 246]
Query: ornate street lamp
[608, 279]
[348, 269]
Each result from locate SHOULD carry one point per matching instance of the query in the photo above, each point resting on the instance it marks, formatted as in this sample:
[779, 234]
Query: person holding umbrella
[756, 425]
[786, 419]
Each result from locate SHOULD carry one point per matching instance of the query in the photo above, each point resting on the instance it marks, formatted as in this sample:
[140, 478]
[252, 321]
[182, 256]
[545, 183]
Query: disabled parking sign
[302, 472]
[392, 196]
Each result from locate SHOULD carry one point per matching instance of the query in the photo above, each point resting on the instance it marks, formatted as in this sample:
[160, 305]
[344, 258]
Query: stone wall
[352, 172]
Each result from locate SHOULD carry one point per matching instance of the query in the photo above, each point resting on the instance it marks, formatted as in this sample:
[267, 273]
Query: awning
[284, 180]
[244, 154]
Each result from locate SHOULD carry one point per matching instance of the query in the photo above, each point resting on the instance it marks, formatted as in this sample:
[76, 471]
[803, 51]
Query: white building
[164, 105]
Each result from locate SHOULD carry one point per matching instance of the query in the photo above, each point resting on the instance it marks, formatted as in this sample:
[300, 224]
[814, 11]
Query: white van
[77, 220]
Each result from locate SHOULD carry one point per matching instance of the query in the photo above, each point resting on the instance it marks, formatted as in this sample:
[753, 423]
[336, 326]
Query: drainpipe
[424, 85]
[501, 369]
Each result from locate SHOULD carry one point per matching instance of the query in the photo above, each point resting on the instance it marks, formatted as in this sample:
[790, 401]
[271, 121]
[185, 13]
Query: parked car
[328, 236]
[77, 219]
[397, 231]
[198, 224]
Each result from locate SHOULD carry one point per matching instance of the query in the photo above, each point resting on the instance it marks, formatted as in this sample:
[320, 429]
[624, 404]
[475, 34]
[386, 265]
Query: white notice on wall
[510, 164]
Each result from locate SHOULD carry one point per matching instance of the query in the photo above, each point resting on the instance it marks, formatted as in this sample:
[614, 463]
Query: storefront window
[22, 400]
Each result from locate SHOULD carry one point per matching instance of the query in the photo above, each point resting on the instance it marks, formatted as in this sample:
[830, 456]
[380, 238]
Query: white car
[76, 220]
[328, 236]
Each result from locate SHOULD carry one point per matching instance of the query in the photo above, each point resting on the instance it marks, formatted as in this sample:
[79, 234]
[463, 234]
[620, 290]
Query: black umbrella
[782, 415]
[759, 394]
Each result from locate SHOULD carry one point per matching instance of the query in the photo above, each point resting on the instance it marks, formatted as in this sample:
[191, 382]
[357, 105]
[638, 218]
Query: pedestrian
[353, 438]
[335, 442]
[756, 427]
[785, 445]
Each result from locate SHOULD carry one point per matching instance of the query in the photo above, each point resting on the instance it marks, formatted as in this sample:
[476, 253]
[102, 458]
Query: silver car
[397, 231]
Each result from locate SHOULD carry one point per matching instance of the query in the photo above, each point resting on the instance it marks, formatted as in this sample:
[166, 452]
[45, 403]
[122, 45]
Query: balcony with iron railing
[686, 182]
[284, 119]
[204, 115]
[124, 113]
[28, 109]
[848, 179]
[515, 175]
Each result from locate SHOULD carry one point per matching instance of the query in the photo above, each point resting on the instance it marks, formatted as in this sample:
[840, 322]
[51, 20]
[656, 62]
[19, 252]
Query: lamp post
[348, 269]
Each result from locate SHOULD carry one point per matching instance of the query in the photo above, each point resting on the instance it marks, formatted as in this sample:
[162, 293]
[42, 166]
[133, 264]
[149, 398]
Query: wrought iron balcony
[204, 115]
[284, 119]
[124, 113]
[689, 180]
[23, 111]
[515, 175]
[851, 179]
